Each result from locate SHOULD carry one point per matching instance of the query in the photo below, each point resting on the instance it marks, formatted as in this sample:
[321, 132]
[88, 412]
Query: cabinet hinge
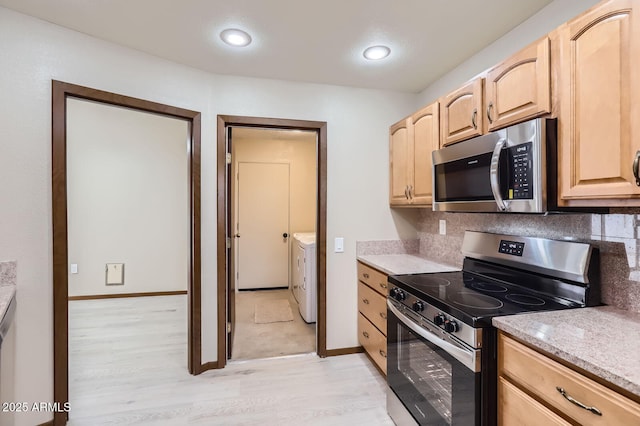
[228, 158]
[228, 327]
[228, 243]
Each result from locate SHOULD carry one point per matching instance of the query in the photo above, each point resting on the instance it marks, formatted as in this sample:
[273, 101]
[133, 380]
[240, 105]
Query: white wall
[33, 52]
[128, 198]
[546, 20]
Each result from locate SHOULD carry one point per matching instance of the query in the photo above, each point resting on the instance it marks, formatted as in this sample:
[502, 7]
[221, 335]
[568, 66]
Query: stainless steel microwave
[507, 170]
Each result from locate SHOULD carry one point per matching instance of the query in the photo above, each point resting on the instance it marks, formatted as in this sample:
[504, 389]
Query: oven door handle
[494, 170]
[467, 357]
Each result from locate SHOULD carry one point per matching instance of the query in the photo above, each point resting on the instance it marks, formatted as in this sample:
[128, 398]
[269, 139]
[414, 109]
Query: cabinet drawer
[516, 408]
[374, 342]
[542, 376]
[374, 279]
[373, 305]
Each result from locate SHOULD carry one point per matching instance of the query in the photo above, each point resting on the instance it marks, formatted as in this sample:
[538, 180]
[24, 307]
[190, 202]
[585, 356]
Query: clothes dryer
[304, 275]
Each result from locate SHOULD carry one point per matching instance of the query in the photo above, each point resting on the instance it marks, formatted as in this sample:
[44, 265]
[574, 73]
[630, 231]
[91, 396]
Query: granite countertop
[602, 340]
[396, 264]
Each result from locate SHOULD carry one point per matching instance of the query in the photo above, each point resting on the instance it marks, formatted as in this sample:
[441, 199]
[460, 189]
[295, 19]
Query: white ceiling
[319, 41]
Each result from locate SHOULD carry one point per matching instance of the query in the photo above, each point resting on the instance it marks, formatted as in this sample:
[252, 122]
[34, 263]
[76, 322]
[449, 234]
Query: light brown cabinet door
[599, 126]
[520, 87]
[516, 408]
[426, 139]
[461, 113]
[399, 163]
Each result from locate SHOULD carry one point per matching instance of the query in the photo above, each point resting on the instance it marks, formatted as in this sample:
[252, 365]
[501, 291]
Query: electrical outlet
[339, 245]
[443, 227]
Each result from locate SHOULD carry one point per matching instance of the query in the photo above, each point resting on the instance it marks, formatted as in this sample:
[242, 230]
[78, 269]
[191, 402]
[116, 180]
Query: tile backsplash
[616, 236]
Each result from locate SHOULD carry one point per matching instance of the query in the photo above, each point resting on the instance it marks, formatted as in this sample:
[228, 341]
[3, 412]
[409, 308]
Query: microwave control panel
[521, 168]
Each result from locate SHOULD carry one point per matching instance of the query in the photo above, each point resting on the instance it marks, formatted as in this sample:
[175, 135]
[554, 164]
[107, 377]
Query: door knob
[285, 235]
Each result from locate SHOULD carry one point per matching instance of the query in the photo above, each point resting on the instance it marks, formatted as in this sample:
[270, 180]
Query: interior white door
[263, 225]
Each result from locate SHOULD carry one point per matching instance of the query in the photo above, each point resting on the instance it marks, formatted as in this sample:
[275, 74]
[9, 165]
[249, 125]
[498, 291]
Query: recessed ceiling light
[374, 53]
[235, 37]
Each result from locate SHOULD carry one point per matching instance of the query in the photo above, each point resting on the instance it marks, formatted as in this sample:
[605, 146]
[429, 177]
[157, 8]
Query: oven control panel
[513, 248]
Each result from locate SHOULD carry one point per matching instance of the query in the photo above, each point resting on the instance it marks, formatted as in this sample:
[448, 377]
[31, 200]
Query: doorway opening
[273, 192]
[250, 287]
[61, 93]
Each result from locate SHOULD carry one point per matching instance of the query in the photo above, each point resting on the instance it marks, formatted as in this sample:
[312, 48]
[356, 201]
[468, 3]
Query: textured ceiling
[299, 40]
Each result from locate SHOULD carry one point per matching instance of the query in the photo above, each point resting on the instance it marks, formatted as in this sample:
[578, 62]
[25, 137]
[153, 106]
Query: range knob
[451, 326]
[439, 319]
[393, 292]
[418, 306]
[397, 294]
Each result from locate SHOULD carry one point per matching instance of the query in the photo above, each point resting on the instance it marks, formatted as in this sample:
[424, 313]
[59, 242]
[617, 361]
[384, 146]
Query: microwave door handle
[493, 174]
[466, 357]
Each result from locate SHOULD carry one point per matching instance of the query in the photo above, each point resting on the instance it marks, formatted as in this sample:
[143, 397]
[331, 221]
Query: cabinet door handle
[383, 315]
[635, 168]
[574, 401]
[410, 191]
[474, 118]
[489, 108]
[383, 353]
[365, 334]
[365, 301]
[406, 192]
[365, 275]
[383, 285]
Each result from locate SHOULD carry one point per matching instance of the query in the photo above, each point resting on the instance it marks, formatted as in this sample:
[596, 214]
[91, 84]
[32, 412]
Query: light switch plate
[339, 245]
[443, 227]
[74, 268]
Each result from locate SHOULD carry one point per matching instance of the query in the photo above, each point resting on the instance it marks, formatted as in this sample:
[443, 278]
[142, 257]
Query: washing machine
[303, 275]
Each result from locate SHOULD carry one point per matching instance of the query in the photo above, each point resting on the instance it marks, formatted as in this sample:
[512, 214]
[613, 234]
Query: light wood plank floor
[127, 365]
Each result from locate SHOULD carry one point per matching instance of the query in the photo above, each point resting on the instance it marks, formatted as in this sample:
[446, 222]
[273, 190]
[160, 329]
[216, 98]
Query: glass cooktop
[475, 299]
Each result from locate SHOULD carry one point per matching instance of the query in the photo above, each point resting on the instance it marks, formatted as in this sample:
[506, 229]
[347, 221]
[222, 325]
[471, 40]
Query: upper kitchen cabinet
[461, 113]
[519, 88]
[399, 162]
[599, 124]
[426, 139]
[411, 142]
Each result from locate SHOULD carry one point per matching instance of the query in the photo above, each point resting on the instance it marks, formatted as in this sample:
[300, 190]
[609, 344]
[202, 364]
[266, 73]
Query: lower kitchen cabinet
[534, 389]
[372, 314]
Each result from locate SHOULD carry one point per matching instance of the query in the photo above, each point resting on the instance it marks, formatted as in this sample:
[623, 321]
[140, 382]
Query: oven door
[436, 378]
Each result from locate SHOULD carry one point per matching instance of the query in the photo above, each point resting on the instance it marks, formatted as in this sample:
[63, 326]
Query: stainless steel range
[441, 347]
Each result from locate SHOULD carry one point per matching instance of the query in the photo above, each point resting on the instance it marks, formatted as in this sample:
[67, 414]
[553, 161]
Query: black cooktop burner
[523, 299]
[488, 287]
[428, 280]
[471, 299]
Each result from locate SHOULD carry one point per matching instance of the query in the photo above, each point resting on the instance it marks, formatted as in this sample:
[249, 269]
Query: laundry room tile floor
[253, 341]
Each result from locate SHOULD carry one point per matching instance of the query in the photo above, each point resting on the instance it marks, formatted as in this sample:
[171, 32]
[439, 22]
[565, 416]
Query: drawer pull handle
[365, 301]
[365, 334]
[383, 315]
[383, 353]
[574, 401]
[474, 115]
[383, 285]
[365, 275]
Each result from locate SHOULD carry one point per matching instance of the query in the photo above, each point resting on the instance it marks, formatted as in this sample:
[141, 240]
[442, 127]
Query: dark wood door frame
[320, 127]
[60, 92]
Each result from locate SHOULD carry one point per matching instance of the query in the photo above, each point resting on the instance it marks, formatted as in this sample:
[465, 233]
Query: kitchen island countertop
[396, 264]
[601, 340]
